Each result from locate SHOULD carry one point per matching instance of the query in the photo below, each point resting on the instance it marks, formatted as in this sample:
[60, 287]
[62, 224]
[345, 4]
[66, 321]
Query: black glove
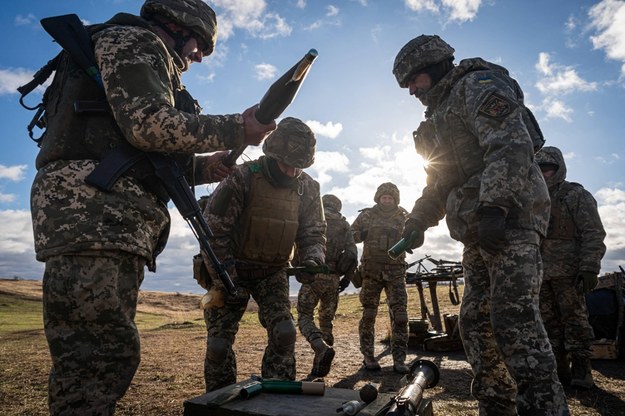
[587, 281]
[343, 283]
[416, 240]
[346, 263]
[303, 277]
[491, 231]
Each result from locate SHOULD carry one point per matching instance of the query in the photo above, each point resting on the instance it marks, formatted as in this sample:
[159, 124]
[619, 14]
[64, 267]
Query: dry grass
[173, 343]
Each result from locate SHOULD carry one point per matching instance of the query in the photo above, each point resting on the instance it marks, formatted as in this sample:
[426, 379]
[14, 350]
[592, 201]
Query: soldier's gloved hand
[303, 277]
[491, 230]
[346, 263]
[415, 226]
[343, 283]
[587, 281]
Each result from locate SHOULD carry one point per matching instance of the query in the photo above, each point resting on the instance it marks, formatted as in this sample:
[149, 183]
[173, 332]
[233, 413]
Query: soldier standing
[341, 259]
[572, 254]
[96, 244]
[257, 215]
[479, 140]
[379, 228]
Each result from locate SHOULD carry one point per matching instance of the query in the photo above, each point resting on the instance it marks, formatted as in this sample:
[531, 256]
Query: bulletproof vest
[79, 124]
[269, 222]
[384, 231]
[561, 222]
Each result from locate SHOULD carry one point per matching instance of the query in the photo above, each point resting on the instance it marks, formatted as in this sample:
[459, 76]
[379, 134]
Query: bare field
[173, 343]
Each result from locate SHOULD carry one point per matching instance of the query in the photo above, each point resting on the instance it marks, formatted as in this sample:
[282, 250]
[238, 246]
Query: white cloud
[10, 79]
[29, 19]
[329, 129]
[13, 173]
[559, 79]
[611, 202]
[557, 109]
[607, 18]
[455, 10]
[419, 5]
[332, 11]
[7, 197]
[327, 162]
[265, 71]
[251, 16]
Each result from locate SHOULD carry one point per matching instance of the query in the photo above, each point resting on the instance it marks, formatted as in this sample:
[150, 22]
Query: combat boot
[563, 366]
[581, 373]
[324, 355]
[400, 367]
[371, 363]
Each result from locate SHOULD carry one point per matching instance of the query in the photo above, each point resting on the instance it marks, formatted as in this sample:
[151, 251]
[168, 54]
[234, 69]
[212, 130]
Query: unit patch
[496, 106]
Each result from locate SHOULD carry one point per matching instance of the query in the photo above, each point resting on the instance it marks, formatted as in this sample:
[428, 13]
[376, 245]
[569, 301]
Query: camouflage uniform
[341, 253]
[574, 244]
[478, 139]
[256, 219]
[95, 244]
[379, 228]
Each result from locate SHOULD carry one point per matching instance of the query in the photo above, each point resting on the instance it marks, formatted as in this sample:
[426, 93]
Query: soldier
[341, 259]
[379, 228]
[96, 244]
[479, 140]
[572, 254]
[257, 215]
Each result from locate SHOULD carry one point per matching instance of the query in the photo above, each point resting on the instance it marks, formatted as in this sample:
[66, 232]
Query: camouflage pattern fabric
[274, 309]
[481, 154]
[324, 290]
[512, 360]
[381, 228]
[94, 345]
[90, 329]
[574, 243]
[223, 214]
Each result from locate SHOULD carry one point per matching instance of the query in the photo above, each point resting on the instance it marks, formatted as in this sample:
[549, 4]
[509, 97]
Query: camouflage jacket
[141, 77]
[379, 230]
[339, 238]
[230, 199]
[575, 237]
[476, 138]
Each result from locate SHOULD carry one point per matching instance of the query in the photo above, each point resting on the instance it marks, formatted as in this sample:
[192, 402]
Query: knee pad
[284, 334]
[217, 349]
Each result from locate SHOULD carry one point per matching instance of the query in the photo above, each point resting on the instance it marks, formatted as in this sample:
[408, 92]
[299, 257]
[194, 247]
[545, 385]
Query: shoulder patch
[496, 106]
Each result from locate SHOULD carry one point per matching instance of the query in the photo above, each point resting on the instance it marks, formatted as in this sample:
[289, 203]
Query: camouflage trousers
[514, 369]
[274, 313]
[89, 306]
[564, 313]
[323, 292]
[394, 285]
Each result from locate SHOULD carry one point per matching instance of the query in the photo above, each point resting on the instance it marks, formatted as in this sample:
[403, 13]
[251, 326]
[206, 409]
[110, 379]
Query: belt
[257, 273]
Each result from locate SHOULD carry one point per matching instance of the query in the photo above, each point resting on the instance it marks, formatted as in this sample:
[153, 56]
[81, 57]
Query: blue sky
[568, 56]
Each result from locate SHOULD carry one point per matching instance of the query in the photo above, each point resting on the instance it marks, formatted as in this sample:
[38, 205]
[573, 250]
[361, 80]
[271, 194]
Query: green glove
[587, 281]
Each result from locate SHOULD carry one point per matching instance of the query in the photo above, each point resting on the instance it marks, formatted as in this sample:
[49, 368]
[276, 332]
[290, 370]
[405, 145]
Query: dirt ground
[171, 369]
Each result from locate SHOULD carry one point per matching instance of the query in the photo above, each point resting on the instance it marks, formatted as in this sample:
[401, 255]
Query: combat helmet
[387, 188]
[292, 143]
[332, 202]
[194, 15]
[421, 52]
